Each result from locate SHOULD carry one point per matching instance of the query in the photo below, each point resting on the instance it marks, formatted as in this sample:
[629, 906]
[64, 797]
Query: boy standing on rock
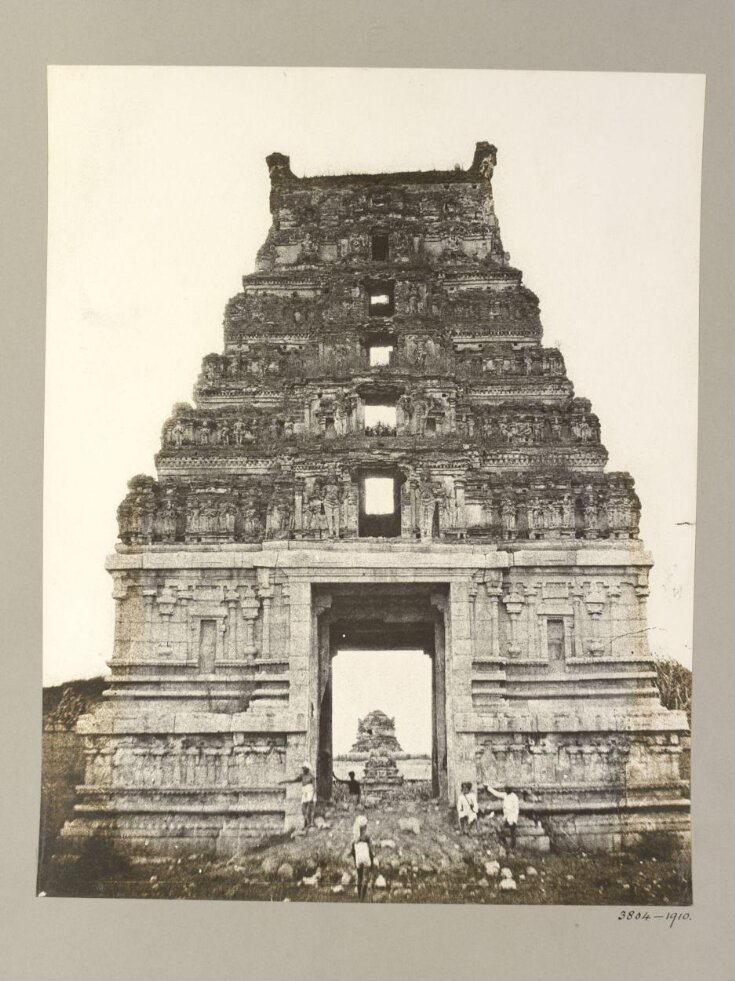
[511, 812]
[362, 853]
[467, 810]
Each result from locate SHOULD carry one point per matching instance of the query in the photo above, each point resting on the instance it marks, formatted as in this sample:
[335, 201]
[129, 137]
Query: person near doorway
[467, 809]
[362, 854]
[353, 787]
[308, 793]
[511, 812]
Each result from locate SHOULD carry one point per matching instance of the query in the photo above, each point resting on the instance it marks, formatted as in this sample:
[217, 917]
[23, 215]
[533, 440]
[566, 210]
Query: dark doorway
[379, 246]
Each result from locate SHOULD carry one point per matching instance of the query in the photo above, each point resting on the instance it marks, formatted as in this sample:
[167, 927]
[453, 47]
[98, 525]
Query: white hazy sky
[158, 201]
[396, 682]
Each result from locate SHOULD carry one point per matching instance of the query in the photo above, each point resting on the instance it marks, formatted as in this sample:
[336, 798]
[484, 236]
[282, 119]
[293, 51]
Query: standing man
[511, 812]
[353, 786]
[308, 795]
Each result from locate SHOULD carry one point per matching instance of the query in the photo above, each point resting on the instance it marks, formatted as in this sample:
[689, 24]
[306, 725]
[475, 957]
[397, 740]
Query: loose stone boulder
[506, 874]
[269, 865]
[346, 879]
[492, 868]
[380, 882]
[411, 824]
[338, 889]
[285, 872]
[387, 843]
[531, 870]
[507, 884]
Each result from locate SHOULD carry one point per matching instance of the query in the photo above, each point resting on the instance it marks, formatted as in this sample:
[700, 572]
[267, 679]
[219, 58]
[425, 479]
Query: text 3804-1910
[631, 915]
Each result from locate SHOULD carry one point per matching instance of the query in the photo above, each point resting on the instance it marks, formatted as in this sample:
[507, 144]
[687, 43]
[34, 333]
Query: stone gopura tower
[385, 455]
[376, 731]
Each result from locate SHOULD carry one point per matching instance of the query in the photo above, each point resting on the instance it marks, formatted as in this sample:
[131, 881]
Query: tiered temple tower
[384, 453]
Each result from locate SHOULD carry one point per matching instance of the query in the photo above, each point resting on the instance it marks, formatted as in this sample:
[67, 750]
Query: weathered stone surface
[384, 333]
[411, 825]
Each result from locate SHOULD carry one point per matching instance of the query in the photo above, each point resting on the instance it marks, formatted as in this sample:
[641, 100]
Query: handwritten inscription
[643, 916]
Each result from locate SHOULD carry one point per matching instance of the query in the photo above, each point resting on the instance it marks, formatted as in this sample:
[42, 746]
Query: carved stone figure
[177, 434]
[278, 523]
[508, 516]
[332, 505]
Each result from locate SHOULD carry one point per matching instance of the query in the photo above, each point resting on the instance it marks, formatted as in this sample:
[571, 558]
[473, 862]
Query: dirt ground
[435, 865]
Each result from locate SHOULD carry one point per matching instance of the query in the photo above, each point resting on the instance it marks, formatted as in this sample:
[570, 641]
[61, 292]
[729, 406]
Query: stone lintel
[406, 559]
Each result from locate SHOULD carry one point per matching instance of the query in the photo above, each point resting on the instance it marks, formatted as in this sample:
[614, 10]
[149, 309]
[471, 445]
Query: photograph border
[136, 939]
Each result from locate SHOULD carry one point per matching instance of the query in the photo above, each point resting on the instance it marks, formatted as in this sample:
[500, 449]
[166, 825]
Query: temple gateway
[384, 456]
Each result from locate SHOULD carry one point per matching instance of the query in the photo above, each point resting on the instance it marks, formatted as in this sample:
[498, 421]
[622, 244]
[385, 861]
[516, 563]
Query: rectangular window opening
[379, 246]
[380, 418]
[379, 495]
[380, 300]
[380, 354]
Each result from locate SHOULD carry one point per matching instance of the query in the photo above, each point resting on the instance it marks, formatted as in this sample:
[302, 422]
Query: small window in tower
[380, 354]
[379, 246]
[430, 426]
[380, 303]
[379, 495]
[380, 420]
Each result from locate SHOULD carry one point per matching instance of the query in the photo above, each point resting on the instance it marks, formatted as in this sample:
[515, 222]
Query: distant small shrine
[376, 731]
[376, 736]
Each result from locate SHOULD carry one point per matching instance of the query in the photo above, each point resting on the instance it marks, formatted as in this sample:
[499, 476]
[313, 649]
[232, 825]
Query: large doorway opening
[381, 687]
[382, 702]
